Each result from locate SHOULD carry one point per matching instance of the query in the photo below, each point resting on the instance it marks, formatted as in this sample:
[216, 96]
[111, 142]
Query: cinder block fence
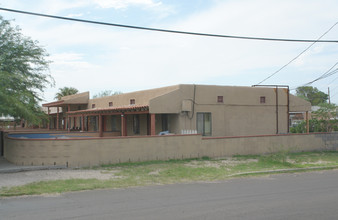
[83, 152]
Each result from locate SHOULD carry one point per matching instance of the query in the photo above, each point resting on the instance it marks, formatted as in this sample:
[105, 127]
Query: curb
[285, 170]
[23, 169]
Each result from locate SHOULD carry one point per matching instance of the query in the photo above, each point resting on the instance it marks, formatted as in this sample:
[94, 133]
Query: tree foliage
[311, 94]
[23, 74]
[327, 117]
[65, 91]
[106, 93]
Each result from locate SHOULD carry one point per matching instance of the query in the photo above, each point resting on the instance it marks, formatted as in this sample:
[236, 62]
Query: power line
[325, 75]
[333, 80]
[167, 30]
[334, 94]
[328, 73]
[318, 40]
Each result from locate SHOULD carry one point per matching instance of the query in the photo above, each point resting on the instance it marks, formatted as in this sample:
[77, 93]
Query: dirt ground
[22, 178]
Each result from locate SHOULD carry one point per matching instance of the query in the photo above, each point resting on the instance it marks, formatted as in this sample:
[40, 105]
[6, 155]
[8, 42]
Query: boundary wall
[87, 152]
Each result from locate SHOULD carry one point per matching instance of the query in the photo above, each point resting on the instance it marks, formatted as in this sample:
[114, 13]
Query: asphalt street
[284, 196]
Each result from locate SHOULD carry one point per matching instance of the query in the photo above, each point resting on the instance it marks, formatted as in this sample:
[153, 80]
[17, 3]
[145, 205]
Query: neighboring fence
[96, 151]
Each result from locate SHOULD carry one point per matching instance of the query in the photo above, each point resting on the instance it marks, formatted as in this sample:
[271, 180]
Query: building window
[136, 124]
[204, 123]
[110, 104]
[220, 99]
[93, 105]
[132, 101]
[262, 99]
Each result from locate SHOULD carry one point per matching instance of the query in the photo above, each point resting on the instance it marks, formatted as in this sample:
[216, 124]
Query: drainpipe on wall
[276, 109]
[288, 103]
[288, 108]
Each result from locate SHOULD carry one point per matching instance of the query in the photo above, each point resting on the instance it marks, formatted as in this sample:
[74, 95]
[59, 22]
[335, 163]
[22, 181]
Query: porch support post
[123, 125]
[68, 119]
[57, 118]
[100, 126]
[152, 124]
[48, 124]
[307, 122]
[82, 123]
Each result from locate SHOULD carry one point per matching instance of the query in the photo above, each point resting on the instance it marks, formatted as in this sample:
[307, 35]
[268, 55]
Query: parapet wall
[96, 151]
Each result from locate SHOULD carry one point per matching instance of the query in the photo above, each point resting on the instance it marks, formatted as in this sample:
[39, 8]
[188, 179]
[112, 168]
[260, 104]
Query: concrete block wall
[95, 151]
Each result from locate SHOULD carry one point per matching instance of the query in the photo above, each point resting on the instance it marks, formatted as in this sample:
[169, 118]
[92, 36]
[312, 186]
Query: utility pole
[328, 93]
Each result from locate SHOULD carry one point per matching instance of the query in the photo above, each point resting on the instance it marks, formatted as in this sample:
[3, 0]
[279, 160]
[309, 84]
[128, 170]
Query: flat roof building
[180, 109]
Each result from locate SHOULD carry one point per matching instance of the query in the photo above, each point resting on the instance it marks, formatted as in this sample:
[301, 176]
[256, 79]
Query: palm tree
[65, 91]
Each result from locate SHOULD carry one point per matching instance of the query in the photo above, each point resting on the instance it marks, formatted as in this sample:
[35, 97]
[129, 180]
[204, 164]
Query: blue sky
[95, 58]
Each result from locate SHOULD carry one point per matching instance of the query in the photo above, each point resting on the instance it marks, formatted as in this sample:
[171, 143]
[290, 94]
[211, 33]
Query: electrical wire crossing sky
[135, 45]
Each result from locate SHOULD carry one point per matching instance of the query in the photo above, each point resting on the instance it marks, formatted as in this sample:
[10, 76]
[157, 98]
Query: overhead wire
[328, 73]
[318, 40]
[325, 75]
[333, 80]
[167, 30]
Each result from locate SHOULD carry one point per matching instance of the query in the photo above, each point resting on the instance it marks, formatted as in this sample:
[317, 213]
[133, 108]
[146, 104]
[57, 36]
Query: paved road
[286, 196]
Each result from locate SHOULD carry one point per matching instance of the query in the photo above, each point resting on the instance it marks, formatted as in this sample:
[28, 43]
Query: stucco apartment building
[180, 109]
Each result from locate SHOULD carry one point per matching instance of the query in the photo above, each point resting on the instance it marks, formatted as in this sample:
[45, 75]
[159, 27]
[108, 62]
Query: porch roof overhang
[54, 104]
[136, 109]
[61, 103]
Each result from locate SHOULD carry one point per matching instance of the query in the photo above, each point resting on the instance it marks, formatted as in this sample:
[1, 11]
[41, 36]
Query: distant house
[6, 118]
[6, 121]
[181, 109]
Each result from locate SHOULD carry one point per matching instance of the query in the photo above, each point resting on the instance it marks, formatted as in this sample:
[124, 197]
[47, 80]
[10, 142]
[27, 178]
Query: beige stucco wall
[299, 105]
[241, 112]
[141, 97]
[91, 152]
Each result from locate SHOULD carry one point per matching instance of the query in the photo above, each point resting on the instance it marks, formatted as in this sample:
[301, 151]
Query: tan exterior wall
[91, 152]
[141, 97]
[241, 112]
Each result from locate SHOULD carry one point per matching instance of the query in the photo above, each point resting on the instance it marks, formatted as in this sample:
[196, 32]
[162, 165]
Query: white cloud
[75, 15]
[56, 7]
[123, 59]
[122, 4]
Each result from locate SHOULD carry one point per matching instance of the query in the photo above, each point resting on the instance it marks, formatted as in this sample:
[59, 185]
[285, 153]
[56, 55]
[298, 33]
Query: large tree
[311, 94]
[23, 74]
[65, 91]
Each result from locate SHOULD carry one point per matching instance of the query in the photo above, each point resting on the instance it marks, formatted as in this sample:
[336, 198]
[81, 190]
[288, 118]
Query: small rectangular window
[110, 104]
[93, 105]
[132, 101]
[220, 99]
[262, 99]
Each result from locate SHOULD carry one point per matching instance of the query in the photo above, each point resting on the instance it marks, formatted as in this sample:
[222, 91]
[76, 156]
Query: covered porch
[113, 121]
[57, 112]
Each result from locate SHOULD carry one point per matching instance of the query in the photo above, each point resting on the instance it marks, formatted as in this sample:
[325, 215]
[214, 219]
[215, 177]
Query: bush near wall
[316, 126]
